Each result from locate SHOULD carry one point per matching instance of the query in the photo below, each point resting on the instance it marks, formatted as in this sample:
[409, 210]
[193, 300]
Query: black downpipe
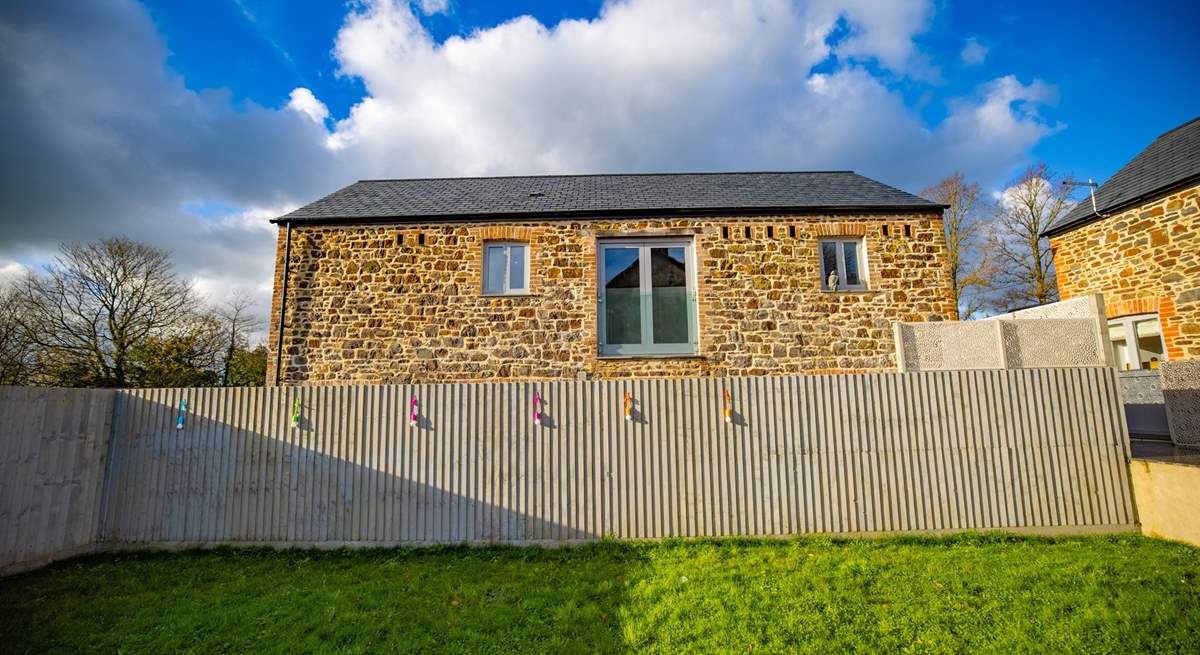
[287, 261]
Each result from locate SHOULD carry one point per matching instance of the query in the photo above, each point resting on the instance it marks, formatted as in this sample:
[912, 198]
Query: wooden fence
[53, 455]
[932, 451]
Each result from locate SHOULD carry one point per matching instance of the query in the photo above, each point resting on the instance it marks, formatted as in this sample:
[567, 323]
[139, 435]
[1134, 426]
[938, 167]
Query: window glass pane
[622, 296]
[828, 262]
[516, 263]
[1150, 345]
[1116, 334]
[850, 249]
[493, 265]
[668, 293]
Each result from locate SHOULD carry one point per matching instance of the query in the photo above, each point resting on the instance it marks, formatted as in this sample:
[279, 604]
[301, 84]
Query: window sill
[851, 291]
[653, 356]
[508, 295]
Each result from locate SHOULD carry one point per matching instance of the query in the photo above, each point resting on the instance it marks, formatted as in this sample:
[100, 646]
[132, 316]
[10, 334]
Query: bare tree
[1025, 264]
[98, 302]
[970, 266]
[17, 350]
[238, 321]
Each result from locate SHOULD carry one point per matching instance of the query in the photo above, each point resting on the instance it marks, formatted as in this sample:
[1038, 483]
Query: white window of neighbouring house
[505, 268]
[843, 265]
[1136, 341]
[647, 297]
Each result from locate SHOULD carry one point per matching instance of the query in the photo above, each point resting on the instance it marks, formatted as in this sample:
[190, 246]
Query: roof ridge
[609, 194]
[564, 175]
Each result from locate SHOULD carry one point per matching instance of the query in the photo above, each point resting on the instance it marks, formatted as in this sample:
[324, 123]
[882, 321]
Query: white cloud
[883, 31]
[10, 271]
[233, 253]
[431, 7]
[974, 52]
[660, 85]
[1010, 197]
[302, 100]
[102, 138]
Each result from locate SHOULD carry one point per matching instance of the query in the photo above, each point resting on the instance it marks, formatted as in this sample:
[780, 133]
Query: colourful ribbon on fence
[296, 413]
[628, 407]
[537, 409]
[412, 414]
[728, 407]
[182, 411]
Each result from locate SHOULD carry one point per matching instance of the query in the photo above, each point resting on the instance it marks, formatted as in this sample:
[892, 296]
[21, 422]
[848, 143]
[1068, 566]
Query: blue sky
[189, 124]
[1125, 72]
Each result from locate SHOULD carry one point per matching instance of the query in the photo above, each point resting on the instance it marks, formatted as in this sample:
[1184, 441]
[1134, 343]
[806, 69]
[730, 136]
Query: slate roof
[1172, 160]
[568, 196]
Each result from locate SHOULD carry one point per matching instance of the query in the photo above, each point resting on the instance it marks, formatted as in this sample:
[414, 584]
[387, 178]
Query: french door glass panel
[668, 295]
[622, 295]
[649, 306]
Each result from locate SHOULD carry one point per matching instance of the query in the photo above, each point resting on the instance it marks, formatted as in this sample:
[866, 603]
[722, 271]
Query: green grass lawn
[959, 594]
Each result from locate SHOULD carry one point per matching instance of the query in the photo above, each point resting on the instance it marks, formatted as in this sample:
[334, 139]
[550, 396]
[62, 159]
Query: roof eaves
[1092, 216]
[614, 213]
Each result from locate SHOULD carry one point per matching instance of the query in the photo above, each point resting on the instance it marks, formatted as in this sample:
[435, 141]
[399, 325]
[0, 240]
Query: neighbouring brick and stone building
[1140, 246]
[606, 276]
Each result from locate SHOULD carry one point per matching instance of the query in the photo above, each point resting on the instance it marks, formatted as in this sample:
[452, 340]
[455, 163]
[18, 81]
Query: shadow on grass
[959, 593]
[466, 599]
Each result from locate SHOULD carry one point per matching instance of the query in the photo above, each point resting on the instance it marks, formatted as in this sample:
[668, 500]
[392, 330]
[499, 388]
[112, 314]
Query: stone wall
[1144, 260]
[403, 303]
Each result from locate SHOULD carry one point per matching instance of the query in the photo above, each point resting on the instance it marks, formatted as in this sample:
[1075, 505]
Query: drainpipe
[287, 261]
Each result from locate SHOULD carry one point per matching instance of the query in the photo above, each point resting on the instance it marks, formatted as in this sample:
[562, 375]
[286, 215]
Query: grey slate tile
[565, 196]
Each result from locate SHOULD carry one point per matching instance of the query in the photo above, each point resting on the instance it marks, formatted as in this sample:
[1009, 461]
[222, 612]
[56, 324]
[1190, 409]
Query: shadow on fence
[934, 451]
[239, 472]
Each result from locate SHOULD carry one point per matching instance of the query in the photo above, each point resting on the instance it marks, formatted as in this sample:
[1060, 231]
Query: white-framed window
[843, 265]
[647, 297]
[505, 268]
[1137, 342]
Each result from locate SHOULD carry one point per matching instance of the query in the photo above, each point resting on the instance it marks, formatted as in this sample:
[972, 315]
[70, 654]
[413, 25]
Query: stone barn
[603, 276]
